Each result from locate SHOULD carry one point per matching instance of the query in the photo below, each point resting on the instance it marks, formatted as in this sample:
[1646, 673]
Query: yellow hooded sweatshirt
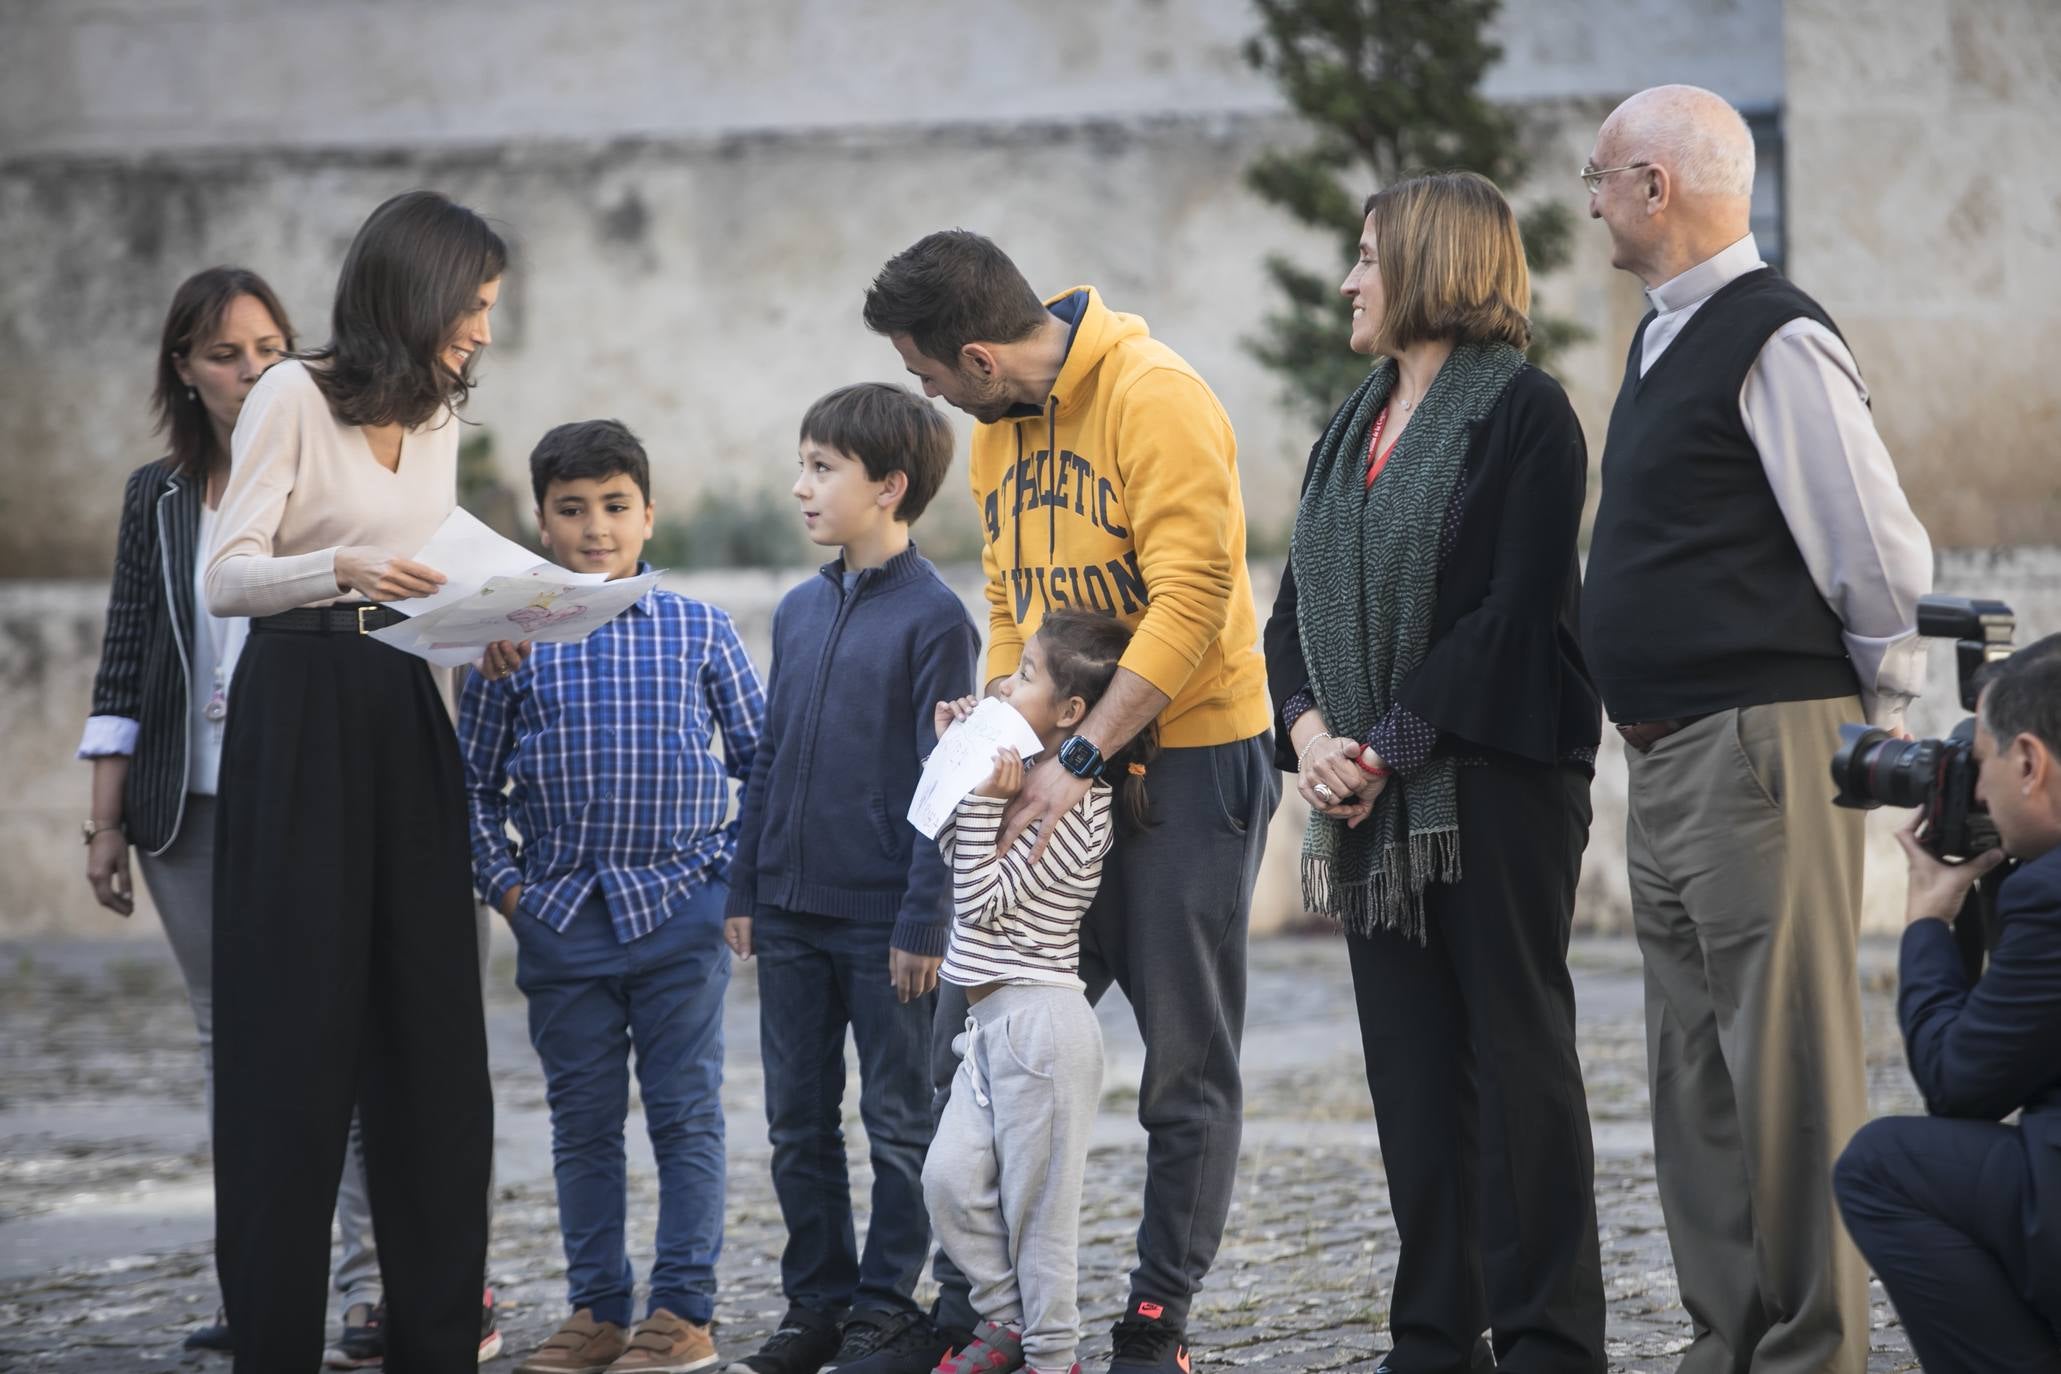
[1140, 515]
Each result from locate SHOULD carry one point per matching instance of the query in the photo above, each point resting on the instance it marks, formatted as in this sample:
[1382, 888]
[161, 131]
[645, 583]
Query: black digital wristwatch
[1080, 758]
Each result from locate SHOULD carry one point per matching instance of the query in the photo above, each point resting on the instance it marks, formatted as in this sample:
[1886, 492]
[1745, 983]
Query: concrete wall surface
[1925, 213]
[123, 76]
[698, 195]
[49, 647]
[703, 292]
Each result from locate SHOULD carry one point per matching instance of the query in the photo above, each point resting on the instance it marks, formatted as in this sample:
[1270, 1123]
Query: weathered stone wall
[50, 644]
[698, 196]
[1925, 213]
[119, 76]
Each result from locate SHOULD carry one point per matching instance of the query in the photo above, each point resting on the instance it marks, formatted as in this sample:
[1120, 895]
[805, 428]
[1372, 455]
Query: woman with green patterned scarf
[1432, 699]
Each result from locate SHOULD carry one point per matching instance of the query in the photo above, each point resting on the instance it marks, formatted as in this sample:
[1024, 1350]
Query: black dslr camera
[1874, 768]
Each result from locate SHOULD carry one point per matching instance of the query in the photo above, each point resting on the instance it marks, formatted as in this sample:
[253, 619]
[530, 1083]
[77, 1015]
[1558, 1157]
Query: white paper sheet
[964, 758]
[548, 609]
[467, 553]
[410, 638]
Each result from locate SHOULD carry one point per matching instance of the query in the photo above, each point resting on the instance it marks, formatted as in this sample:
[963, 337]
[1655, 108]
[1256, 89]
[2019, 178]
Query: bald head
[1693, 133]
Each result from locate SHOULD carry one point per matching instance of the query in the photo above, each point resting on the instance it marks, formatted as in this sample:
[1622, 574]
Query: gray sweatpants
[1003, 1177]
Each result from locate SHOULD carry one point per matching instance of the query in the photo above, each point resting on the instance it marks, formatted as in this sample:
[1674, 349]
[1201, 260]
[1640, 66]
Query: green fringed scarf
[1366, 583]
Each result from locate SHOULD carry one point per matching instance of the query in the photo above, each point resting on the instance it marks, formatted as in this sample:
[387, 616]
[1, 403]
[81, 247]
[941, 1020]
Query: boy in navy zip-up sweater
[846, 907]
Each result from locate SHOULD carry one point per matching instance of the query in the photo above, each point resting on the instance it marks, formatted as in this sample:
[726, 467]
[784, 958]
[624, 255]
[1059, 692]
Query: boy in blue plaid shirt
[602, 755]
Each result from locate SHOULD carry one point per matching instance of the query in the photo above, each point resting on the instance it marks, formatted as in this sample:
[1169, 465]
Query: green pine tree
[1390, 87]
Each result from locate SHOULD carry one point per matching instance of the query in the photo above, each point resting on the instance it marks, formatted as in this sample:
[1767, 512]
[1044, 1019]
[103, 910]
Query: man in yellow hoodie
[1105, 474]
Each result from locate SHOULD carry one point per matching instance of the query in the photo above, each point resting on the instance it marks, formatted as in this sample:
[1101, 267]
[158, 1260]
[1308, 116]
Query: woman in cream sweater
[345, 959]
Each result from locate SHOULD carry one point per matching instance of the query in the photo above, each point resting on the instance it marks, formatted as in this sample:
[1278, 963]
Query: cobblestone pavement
[105, 1205]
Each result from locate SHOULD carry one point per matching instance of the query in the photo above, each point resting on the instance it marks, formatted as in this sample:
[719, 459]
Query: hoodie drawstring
[1052, 457]
[1016, 522]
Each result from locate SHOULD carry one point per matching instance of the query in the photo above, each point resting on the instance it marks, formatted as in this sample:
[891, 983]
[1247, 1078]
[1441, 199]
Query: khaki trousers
[1746, 894]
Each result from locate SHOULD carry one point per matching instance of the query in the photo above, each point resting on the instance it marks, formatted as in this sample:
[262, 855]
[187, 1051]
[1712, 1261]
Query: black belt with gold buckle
[361, 618]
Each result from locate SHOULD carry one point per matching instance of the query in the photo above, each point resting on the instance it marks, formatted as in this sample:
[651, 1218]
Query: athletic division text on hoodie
[1138, 514]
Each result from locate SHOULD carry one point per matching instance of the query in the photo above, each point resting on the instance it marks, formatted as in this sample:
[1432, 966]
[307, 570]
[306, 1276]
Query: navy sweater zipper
[846, 600]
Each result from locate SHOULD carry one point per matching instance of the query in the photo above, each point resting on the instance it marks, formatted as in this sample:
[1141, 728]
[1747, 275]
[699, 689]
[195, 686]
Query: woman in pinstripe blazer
[162, 690]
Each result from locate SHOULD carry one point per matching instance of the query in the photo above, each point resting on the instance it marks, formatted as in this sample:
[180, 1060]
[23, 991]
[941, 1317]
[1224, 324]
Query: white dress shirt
[1806, 411]
[211, 656]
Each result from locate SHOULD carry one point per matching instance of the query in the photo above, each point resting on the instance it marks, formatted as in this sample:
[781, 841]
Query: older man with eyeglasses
[1752, 582]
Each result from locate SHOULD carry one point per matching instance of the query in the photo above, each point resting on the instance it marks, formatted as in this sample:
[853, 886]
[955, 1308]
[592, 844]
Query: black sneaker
[1482, 1361]
[890, 1343]
[1145, 1338]
[803, 1344]
[361, 1346]
[213, 1336]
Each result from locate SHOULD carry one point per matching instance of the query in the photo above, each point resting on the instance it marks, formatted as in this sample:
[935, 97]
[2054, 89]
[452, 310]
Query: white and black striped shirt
[1014, 923]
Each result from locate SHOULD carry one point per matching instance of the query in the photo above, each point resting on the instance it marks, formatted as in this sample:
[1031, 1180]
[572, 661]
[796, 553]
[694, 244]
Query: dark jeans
[1939, 1208]
[592, 999]
[346, 973]
[1478, 1093]
[1169, 927]
[818, 975]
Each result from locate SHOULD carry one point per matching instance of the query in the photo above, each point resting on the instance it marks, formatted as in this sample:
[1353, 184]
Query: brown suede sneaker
[581, 1346]
[664, 1344]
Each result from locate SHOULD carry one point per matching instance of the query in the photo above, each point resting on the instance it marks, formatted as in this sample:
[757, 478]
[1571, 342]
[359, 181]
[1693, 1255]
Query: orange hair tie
[1137, 770]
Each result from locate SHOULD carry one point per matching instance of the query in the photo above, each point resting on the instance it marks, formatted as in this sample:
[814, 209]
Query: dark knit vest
[1696, 597]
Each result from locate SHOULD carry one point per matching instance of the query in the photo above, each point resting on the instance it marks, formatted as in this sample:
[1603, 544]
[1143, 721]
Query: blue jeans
[818, 975]
[591, 998]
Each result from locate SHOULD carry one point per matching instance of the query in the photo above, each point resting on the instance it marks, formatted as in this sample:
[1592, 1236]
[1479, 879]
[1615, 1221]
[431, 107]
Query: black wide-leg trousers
[346, 973]
[1478, 1094]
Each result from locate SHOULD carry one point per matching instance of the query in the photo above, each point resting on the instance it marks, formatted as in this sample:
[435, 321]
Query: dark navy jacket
[145, 665]
[854, 681]
[1985, 1051]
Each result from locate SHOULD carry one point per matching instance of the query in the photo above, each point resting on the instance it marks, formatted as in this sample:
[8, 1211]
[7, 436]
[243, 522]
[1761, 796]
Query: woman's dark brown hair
[198, 308]
[1082, 649]
[412, 273]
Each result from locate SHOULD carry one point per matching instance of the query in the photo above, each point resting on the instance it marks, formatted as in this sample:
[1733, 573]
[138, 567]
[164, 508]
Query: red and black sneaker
[363, 1343]
[489, 1329]
[994, 1349]
[1146, 1339]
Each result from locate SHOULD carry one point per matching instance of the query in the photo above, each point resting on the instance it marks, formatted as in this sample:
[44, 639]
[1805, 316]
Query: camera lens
[1875, 768]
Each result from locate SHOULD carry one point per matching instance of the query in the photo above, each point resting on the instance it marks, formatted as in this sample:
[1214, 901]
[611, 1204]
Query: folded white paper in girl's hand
[964, 758]
[552, 607]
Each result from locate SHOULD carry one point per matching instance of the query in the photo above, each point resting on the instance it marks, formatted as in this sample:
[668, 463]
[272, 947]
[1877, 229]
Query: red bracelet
[1376, 772]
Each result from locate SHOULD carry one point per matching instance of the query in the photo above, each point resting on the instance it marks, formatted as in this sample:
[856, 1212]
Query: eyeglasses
[1592, 177]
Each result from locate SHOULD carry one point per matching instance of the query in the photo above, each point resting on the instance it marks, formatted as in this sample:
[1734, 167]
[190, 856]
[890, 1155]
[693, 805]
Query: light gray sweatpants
[1003, 1177]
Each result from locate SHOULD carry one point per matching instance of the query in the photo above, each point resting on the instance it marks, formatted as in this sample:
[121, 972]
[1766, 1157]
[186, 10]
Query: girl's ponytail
[1126, 773]
[1082, 648]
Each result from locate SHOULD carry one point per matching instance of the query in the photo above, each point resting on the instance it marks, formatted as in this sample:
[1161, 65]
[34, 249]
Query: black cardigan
[143, 658]
[1503, 675]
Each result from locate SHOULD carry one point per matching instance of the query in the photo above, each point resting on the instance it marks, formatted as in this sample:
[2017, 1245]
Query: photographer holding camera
[1958, 1213]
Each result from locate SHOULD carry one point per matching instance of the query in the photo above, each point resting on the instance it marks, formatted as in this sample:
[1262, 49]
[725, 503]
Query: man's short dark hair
[591, 449]
[2022, 695]
[950, 289]
[888, 429]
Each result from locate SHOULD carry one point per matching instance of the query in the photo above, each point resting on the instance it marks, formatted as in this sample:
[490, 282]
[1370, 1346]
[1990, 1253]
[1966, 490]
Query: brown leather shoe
[665, 1344]
[581, 1346]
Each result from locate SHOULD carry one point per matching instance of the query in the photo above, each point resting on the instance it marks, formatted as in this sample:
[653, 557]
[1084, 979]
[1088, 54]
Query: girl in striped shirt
[1003, 1176]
